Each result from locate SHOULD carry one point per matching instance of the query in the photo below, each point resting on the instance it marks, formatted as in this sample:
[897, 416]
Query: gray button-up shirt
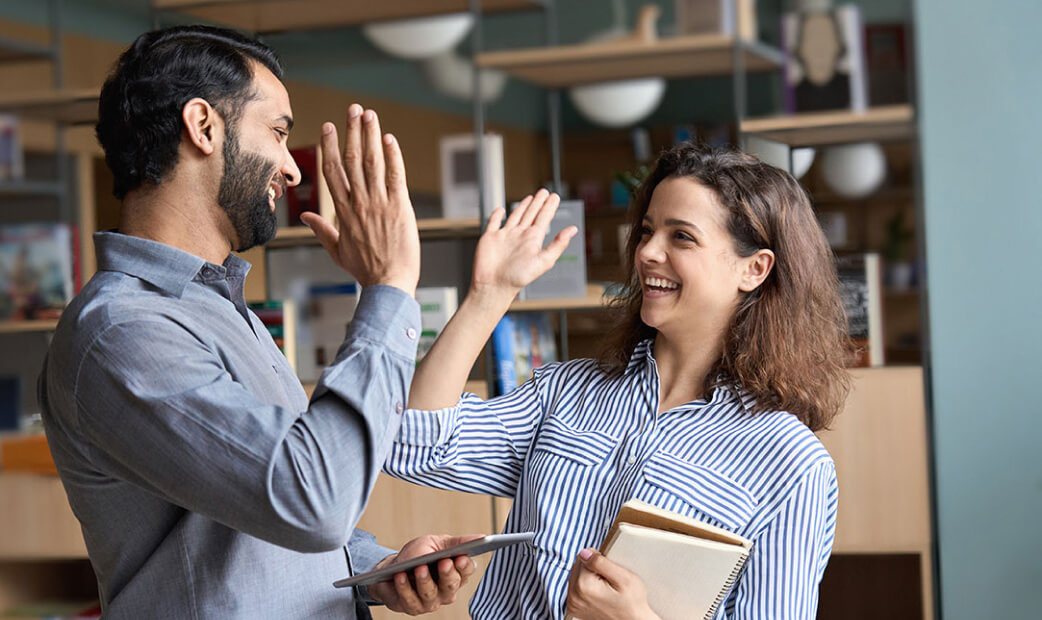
[206, 483]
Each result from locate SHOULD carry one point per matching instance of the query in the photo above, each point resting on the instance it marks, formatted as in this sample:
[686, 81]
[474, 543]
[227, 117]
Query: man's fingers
[407, 598]
[396, 184]
[327, 233]
[449, 581]
[332, 166]
[353, 163]
[373, 155]
[426, 588]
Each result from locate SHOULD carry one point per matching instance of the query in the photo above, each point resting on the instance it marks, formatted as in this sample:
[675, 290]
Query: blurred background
[912, 125]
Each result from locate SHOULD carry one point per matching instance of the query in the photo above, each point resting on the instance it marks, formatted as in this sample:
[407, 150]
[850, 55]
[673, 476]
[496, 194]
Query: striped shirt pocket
[701, 491]
[583, 447]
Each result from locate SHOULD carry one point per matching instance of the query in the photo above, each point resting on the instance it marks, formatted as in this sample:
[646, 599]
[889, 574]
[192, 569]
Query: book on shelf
[824, 66]
[688, 566]
[459, 175]
[861, 287]
[310, 195]
[330, 307]
[522, 342]
[567, 278]
[280, 319]
[10, 402]
[437, 305]
[12, 157]
[37, 270]
[888, 63]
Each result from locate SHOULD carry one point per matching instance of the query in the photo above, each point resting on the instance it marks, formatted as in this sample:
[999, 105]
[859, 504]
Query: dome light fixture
[422, 37]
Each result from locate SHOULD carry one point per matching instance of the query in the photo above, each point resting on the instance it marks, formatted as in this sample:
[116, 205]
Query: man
[206, 484]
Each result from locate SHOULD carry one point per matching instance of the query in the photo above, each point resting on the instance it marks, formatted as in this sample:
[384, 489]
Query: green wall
[980, 91]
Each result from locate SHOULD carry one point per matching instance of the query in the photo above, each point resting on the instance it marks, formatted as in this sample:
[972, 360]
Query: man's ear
[201, 122]
[757, 268]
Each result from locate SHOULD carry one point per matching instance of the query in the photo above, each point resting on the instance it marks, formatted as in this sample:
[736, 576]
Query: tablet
[473, 547]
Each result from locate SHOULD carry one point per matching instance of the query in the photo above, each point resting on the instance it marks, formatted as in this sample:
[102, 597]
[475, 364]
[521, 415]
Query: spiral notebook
[689, 567]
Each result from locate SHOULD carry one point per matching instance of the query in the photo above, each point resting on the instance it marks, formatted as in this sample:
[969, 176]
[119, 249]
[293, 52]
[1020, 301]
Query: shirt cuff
[389, 316]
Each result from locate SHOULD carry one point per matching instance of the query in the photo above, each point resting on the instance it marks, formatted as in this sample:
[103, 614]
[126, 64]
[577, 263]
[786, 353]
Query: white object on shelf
[452, 75]
[567, 278]
[421, 37]
[620, 103]
[777, 154]
[459, 179]
[854, 170]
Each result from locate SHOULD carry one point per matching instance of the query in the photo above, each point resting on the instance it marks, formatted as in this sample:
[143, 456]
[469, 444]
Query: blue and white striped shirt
[571, 445]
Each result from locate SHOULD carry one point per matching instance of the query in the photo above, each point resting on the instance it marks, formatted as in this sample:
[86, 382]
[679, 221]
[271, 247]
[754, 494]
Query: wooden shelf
[594, 299]
[674, 57]
[429, 228]
[266, 16]
[31, 188]
[13, 50]
[11, 327]
[73, 106]
[882, 123]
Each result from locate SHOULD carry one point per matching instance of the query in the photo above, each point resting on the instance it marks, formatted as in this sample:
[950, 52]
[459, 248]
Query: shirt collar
[644, 356]
[165, 267]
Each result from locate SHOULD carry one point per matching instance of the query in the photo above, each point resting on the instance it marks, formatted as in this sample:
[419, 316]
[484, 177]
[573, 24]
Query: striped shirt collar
[643, 359]
[165, 267]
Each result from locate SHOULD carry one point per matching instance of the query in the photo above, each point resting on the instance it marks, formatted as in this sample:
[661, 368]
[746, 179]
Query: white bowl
[618, 104]
[854, 170]
[422, 37]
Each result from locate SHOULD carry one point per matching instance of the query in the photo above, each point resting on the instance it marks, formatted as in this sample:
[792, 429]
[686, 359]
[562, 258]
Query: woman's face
[689, 272]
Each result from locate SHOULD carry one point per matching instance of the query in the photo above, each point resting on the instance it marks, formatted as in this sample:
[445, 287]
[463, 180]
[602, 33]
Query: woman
[729, 352]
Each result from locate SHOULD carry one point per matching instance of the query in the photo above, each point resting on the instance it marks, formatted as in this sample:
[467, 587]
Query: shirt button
[208, 272]
[398, 407]
[631, 460]
[411, 333]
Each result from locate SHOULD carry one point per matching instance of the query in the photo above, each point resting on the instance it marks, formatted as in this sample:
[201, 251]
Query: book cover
[280, 319]
[888, 63]
[861, 287]
[824, 60]
[667, 549]
[12, 158]
[567, 278]
[437, 305]
[36, 270]
[459, 175]
[503, 355]
[330, 307]
[311, 194]
[534, 343]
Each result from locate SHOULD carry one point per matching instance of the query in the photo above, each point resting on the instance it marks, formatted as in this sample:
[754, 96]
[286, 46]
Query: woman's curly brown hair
[787, 344]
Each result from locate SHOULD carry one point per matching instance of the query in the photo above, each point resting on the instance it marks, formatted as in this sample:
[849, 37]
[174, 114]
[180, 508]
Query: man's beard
[243, 194]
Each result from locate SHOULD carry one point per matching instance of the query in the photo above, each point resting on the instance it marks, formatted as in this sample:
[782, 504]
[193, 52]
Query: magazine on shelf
[567, 278]
[37, 270]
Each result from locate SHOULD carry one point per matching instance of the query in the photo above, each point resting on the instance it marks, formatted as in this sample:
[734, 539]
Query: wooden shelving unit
[823, 128]
[594, 298]
[69, 106]
[674, 57]
[266, 16]
[13, 327]
[430, 228]
[13, 50]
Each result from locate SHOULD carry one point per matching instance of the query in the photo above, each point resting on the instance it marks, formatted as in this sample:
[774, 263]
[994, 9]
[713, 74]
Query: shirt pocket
[581, 447]
[697, 491]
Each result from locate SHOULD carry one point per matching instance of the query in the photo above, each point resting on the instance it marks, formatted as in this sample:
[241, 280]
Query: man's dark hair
[139, 113]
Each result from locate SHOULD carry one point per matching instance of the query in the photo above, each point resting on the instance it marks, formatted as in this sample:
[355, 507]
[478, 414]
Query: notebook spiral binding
[724, 591]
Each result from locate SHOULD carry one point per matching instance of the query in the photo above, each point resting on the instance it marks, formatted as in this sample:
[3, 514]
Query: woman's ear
[757, 267]
[200, 123]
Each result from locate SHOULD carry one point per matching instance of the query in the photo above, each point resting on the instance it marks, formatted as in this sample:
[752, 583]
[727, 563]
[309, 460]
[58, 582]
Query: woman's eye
[644, 230]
